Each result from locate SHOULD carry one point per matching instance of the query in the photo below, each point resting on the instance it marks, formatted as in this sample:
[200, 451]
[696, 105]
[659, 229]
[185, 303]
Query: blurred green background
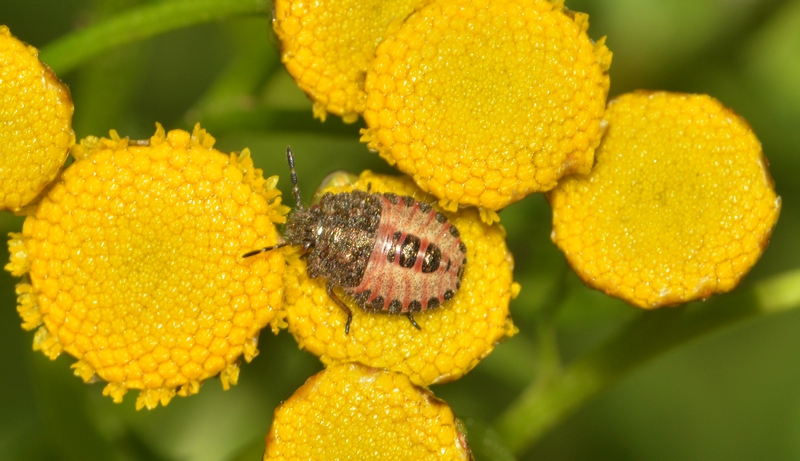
[732, 395]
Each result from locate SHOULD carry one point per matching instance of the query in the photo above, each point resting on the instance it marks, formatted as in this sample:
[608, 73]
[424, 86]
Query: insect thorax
[340, 233]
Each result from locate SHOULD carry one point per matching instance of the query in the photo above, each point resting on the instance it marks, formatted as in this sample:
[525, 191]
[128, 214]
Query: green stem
[540, 408]
[546, 329]
[68, 52]
[250, 66]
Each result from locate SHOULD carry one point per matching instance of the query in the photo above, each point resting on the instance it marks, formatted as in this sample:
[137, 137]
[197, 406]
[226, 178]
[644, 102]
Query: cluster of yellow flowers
[132, 260]
[480, 102]
[132, 263]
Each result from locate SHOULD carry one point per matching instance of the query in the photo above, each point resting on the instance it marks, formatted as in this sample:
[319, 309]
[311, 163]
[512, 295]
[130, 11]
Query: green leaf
[68, 52]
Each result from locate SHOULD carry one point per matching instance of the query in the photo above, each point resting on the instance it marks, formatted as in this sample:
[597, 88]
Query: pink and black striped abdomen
[417, 262]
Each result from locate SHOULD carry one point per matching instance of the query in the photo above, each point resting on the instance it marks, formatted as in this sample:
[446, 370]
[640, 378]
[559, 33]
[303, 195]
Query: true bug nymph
[392, 254]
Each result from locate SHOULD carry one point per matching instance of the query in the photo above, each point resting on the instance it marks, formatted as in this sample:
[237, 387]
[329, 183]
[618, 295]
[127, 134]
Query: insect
[392, 254]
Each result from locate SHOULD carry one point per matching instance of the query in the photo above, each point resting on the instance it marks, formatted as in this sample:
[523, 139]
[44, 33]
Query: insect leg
[264, 250]
[413, 322]
[343, 306]
[295, 189]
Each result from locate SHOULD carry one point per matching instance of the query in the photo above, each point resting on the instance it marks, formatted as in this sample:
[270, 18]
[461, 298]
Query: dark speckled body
[392, 254]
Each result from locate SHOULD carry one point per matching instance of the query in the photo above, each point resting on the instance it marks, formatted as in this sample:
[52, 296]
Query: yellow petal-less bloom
[35, 123]
[483, 102]
[132, 263]
[327, 46]
[679, 206]
[453, 338]
[352, 412]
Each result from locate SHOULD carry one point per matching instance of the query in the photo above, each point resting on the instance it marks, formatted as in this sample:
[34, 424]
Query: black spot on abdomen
[432, 258]
[409, 250]
[393, 247]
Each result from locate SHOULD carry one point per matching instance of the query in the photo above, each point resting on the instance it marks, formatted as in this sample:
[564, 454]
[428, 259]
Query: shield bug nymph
[392, 254]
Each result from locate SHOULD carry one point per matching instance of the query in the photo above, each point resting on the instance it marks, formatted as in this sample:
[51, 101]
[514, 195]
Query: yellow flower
[453, 338]
[353, 412]
[679, 206]
[483, 102]
[132, 263]
[328, 46]
[35, 123]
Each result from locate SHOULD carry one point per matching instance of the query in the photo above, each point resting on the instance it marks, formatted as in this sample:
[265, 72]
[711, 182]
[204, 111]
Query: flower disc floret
[35, 123]
[452, 339]
[350, 411]
[327, 46]
[132, 263]
[679, 206]
[483, 102]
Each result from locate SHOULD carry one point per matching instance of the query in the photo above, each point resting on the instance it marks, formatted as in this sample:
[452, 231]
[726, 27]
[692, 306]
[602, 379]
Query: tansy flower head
[35, 123]
[328, 46]
[350, 411]
[132, 263]
[483, 102]
[679, 206]
[452, 338]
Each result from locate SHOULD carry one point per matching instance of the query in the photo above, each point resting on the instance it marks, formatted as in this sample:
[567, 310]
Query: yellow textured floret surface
[352, 412]
[679, 206]
[327, 46]
[483, 102]
[453, 338]
[35, 123]
[132, 263]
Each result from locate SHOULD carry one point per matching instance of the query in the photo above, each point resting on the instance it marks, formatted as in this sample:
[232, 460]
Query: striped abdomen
[417, 262]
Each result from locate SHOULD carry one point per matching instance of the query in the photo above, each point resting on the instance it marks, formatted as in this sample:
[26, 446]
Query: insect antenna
[295, 192]
[295, 189]
[264, 250]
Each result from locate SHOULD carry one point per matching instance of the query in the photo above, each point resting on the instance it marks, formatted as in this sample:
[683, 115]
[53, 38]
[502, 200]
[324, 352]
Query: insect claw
[254, 252]
[413, 322]
[347, 324]
[342, 306]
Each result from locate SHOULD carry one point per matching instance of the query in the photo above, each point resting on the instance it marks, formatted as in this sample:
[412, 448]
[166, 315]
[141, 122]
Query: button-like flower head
[679, 206]
[132, 263]
[452, 339]
[483, 102]
[350, 411]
